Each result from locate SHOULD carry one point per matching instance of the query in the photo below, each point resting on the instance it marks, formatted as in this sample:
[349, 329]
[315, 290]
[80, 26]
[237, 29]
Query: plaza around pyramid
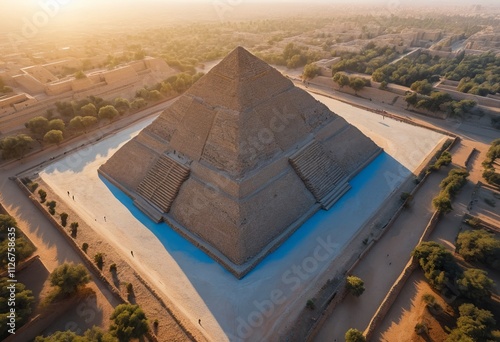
[240, 161]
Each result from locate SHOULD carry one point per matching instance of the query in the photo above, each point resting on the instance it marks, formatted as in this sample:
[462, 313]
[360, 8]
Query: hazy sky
[15, 15]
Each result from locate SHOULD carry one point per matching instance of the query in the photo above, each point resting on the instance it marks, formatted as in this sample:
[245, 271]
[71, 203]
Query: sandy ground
[408, 310]
[253, 307]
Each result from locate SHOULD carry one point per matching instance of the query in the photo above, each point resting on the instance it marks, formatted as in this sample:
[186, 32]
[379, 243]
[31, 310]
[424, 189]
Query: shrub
[310, 304]
[85, 246]
[99, 260]
[112, 267]
[69, 278]
[64, 219]
[74, 229]
[42, 194]
[355, 285]
[421, 329]
[33, 186]
[52, 207]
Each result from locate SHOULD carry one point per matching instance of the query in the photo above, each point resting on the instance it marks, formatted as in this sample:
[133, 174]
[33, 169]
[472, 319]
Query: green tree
[438, 264]
[473, 324]
[88, 121]
[96, 334]
[15, 146]
[354, 335]
[122, 105]
[52, 207]
[6, 221]
[89, 110]
[74, 228]
[475, 285]
[479, 245]
[64, 219]
[76, 123]
[99, 260]
[355, 285]
[57, 124]
[437, 99]
[356, 84]
[65, 109]
[421, 87]
[43, 195]
[411, 99]
[53, 137]
[154, 95]
[442, 203]
[23, 249]
[108, 112]
[69, 278]
[38, 125]
[341, 79]
[129, 321]
[144, 92]
[80, 75]
[311, 70]
[24, 299]
[138, 103]
[166, 88]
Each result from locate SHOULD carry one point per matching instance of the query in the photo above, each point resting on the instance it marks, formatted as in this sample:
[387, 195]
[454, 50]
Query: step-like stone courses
[321, 175]
[163, 181]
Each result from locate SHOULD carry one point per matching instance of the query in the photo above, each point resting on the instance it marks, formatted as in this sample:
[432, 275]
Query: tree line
[76, 116]
[490, 174]
[471, 284]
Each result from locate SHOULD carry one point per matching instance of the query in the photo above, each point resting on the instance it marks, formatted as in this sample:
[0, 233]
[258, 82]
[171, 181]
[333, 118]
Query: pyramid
[240, 161]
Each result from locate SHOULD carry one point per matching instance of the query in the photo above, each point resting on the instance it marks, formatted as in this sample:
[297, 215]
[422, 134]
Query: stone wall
[59, 67]
[120, 74]
[28, 82]
[41, 74]
[58, 88]
[481, 100]
[28, 102]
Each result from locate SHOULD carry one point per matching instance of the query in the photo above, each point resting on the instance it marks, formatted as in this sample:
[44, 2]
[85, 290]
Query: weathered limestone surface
[240, 160]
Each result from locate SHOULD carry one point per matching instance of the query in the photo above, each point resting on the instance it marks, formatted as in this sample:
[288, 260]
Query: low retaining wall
[22, 265]
[335, 298]
[30, 330]
[469, 156]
